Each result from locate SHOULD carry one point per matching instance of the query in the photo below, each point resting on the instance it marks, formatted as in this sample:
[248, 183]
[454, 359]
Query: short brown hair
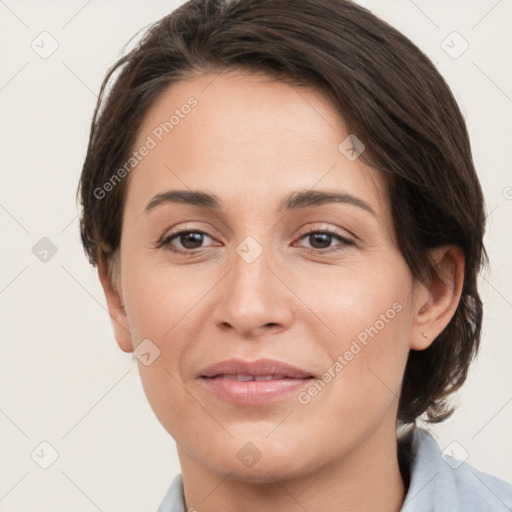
[389, 95]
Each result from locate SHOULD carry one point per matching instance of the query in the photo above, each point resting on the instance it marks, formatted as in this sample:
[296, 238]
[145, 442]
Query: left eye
[321, 240]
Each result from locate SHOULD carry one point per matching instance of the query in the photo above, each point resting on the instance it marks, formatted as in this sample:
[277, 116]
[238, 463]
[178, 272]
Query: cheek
[368, 315]
[161, 297]
[356, 303]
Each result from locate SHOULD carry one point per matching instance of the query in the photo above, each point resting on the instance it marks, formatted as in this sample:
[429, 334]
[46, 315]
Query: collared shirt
[436, 482]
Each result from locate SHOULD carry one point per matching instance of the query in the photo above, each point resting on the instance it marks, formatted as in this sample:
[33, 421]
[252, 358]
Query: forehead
[246, 136]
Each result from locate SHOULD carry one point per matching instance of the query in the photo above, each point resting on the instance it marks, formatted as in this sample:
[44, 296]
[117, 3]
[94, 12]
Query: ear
[435, 302]
[117, 313]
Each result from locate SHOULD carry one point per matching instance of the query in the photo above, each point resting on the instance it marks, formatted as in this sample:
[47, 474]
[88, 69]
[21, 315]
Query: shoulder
[445, 484]
[174, 500]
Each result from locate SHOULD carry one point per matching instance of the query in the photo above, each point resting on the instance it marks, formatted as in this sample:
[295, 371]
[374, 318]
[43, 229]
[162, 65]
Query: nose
[254, 298]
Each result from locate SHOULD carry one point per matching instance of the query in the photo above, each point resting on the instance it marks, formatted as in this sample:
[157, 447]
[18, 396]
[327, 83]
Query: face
[317, 284]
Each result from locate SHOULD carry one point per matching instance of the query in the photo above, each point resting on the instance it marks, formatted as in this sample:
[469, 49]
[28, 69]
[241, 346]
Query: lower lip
[254, 392]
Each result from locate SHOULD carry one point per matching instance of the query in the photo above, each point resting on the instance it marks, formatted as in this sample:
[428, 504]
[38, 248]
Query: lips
[262, 369]
[246, 378]
[260, 382]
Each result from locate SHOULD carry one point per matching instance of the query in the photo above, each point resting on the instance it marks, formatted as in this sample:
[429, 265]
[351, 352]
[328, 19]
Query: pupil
[322, 236]
[194, 238]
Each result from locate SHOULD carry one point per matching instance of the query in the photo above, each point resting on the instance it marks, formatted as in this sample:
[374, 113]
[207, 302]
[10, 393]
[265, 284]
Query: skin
[252, 141]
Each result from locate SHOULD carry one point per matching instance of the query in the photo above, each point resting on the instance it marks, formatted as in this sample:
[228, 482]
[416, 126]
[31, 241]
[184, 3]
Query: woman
[281, 202]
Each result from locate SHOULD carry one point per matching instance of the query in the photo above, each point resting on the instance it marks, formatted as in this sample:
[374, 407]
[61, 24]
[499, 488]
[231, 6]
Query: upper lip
[259, 367]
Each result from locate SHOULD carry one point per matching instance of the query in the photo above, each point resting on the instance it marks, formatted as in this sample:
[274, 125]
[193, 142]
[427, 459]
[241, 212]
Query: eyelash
[166, 241]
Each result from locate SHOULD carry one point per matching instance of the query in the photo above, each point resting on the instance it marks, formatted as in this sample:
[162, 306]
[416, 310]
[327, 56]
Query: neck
[366, 478]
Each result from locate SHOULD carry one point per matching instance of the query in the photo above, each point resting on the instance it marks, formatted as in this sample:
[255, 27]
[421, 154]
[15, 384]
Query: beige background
[63, 379]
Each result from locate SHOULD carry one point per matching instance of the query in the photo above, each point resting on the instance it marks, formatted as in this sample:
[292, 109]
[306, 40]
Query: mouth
[247, 378]
[241, 370]
[251, 383]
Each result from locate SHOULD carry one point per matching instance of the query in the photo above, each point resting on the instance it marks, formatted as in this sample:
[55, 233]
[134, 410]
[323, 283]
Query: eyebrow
[296, 200]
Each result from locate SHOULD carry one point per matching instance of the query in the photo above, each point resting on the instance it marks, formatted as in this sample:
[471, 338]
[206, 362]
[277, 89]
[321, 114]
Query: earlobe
[115, 307]
[437, 301]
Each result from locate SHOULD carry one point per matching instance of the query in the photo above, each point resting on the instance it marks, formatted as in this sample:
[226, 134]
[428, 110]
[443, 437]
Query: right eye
[190, 240]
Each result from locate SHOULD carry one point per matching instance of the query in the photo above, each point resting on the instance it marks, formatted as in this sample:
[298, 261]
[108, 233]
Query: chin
[259, 462]
[264, 472]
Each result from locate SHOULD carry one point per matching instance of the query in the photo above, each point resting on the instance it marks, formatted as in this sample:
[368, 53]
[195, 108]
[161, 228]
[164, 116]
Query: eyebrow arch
[192, 197]
[296, 200]
[306, 198]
